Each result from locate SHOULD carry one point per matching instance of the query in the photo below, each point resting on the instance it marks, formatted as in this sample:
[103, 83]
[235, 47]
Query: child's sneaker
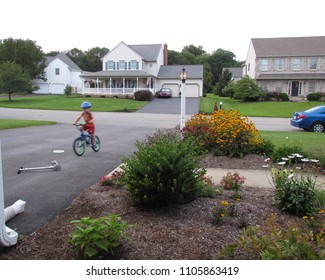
[94, 146]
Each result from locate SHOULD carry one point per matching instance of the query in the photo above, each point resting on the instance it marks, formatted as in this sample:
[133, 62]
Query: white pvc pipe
[15, 209]
[8, 237]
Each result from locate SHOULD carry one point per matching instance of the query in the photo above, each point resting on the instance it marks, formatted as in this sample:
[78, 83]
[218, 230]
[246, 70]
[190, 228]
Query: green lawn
[312, 143]
[60, 102]
[12, 123]
[257, 109]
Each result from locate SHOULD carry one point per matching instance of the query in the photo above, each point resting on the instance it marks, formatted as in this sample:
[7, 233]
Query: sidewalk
[254, 178]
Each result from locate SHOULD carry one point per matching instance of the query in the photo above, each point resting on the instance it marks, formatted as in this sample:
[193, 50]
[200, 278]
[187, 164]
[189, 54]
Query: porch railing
[113, 91]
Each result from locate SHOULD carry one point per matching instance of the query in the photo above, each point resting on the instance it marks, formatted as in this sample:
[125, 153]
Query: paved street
[47, 193]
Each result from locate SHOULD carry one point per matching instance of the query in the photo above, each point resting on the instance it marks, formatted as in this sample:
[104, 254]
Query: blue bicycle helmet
[85, 105]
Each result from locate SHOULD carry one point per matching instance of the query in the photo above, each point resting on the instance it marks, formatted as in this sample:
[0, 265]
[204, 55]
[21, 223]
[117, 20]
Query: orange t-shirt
[87, 117]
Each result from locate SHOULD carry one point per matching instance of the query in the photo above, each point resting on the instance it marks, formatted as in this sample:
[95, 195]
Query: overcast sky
[227, 24]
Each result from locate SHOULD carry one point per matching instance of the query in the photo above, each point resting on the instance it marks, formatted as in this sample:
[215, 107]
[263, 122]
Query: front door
[295, 88]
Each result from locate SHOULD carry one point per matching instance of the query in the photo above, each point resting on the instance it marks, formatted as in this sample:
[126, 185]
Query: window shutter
[106, 65]
[118, 65]
[125, 65]
[113, 65]
[129, 66]
[137, 65]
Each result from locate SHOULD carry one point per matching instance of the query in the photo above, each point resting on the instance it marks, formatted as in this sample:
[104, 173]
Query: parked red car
[165, 92]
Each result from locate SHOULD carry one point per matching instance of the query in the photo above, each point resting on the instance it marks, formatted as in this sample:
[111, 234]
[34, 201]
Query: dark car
[165, 92]
[312, 119]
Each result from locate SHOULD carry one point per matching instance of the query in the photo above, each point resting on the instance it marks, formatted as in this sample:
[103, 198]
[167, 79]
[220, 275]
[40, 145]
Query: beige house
[293, 65]
[129, 68]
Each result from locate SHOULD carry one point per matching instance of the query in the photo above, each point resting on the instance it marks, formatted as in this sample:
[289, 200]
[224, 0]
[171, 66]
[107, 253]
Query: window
[57, 71]
[133, 65]
[311, 86]
[264, 64]
[313, 63]
[263, 86]
[122, 65]
[249, 67]
[278, 86]
[279, 64]
[110, 65]
[296, 64]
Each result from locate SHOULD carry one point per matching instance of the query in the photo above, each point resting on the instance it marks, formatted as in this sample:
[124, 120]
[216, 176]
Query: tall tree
[220, 59]
[223, 81]
[25, 53]
[92, 59]
[14, 79]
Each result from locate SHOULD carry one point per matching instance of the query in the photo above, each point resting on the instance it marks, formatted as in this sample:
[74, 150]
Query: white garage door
[192, 90]
[57, 88]
[43, 88]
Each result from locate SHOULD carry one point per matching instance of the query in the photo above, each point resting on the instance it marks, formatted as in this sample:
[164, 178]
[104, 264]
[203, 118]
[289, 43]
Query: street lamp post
[183, 77]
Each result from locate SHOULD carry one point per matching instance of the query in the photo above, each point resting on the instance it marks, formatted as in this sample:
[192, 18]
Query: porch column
[137, 83]
[123, 85]
[97, 82]
[83, 86]
[110, 85]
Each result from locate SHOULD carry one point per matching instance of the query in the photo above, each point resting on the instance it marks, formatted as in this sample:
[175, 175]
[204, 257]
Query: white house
[60, 71]
[294, 65]
[129, 68]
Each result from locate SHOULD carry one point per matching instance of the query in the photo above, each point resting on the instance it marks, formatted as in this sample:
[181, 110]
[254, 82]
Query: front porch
[115, 83]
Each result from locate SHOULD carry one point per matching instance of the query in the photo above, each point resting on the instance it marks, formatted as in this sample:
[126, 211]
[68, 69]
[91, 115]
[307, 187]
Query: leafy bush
[314, 96]
[227, 132]
[294, 194]
[265, 147]
[284, 151]
[164, 170]
[272, 242]
[283, 96]
[247, 90]
[143, 95]
[229, 90]
[68, 90]
[93, 236]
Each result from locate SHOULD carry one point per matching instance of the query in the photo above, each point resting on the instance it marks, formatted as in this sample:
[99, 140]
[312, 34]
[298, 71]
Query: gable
[122, 52]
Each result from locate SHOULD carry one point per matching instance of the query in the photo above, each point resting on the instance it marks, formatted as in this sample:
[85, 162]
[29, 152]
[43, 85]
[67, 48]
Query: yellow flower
[224, 203]
[222, 215]
[322, 211]
[312, 217]
[305, 217]
[238, 199]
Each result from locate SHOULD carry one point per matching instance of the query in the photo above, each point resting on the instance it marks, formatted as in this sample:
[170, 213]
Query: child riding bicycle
[89, 121]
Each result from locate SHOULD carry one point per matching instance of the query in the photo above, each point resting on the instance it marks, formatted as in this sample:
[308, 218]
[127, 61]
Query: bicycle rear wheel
[97, 147]
[79, 146]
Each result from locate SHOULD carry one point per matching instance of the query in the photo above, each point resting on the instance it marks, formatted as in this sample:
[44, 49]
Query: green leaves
[92, 236]
[164, 170]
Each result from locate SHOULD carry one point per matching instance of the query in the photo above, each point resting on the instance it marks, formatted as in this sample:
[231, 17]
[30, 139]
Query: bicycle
[85, 140]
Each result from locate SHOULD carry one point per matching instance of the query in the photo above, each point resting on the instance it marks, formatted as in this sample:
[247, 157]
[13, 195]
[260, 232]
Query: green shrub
[68, 90]
[265, 147]
[164, 170]
[283, 96]
[247, 90]
[93, 236]
[285, 151]
[293, 242]
[294, 194]
[314, 96]
[143, 95]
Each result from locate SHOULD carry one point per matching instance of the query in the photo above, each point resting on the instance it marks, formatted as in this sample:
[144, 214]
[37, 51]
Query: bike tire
[79, 146]
[97, 145]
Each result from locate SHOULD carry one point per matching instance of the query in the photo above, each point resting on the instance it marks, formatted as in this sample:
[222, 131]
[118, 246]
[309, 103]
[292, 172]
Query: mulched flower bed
[181, 232]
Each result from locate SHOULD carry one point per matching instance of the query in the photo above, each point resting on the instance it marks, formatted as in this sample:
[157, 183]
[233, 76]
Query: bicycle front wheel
[79, 146]
[97, 146]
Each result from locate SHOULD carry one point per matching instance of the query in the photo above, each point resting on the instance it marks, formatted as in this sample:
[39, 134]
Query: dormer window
[110, 65]
[296, 63]
[264, 64]
[57, 71]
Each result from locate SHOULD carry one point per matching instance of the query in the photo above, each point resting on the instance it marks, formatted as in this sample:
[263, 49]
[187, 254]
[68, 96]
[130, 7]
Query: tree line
[22, 61]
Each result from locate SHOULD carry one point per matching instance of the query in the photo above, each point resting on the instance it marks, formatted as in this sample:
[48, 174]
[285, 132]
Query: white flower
[268, 159]
[281, 163]
[299, 156]
[287, 137]
[290, 176]
[298, 167]
[284, 158]
[291, 157]
[265, 166]
[305, 160]
[314, 160]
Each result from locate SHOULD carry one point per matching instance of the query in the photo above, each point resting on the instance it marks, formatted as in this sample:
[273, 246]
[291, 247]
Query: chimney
[165, 54]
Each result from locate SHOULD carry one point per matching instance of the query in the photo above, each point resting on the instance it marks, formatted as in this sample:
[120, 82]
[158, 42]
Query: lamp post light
[183, 77]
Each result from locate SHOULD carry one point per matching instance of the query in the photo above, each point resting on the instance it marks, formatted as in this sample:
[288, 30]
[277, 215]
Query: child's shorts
[90, 128]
